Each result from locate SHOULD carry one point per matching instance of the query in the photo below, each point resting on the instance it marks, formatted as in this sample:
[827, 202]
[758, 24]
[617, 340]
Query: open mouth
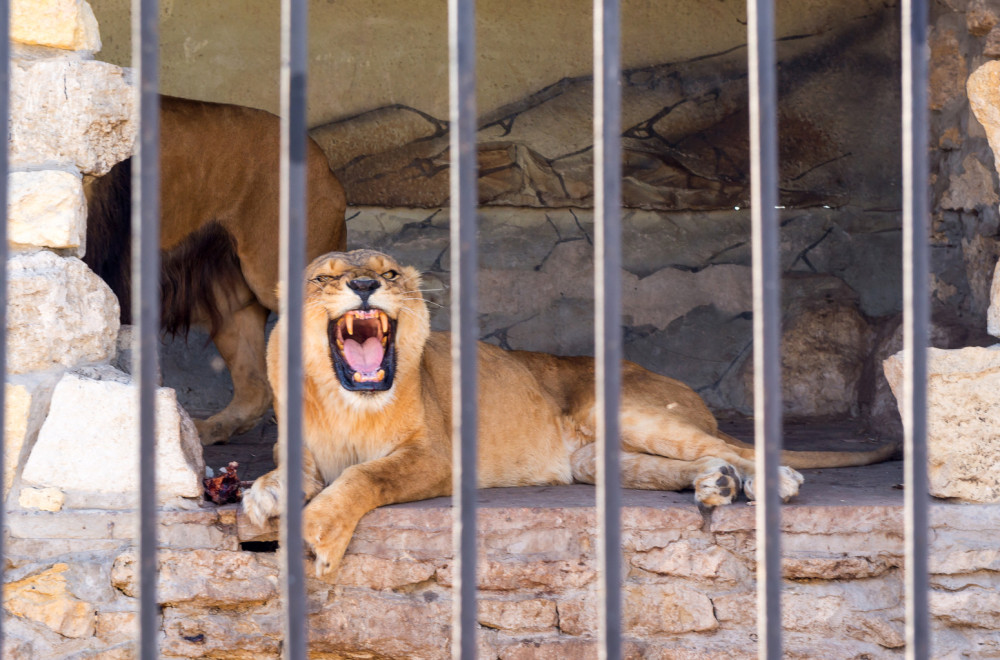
[363, 349]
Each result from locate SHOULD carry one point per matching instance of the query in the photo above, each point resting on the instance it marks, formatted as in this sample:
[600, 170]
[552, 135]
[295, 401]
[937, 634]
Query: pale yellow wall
[370, 53]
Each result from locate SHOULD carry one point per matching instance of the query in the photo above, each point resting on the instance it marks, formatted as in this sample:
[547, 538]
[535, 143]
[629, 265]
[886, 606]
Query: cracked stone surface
[684, 131]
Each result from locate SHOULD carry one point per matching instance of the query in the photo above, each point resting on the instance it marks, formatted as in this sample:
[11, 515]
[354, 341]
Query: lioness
[219, 234]
[377, 413]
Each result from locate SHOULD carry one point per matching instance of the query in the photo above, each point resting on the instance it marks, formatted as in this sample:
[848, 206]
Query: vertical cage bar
[146, 290]
[766, 320]
[916, 319]
[294, 49]
[5, 113]
[607, 303]
[464, 318]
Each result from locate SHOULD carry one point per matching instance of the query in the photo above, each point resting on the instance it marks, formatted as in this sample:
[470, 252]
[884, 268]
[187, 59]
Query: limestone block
[44, 499]
[46, 598]
[519, 616]
[60, 313]
[983, 88]
[68, 24]
[963, 439]
[206, 577]
[692, 560]
[993, 314]
[47, 209]
[665, 608]
[70, 112]
[87, 446]
[25, 405]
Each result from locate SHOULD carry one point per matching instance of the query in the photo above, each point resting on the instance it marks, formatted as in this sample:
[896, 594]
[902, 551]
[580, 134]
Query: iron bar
[464, 319]
[766, 320]
[4, 112]
[916, 319]
[146, 291]
[294, 51]
[607, 312]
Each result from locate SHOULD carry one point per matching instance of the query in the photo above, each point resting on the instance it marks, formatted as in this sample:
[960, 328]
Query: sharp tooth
[385, 340]
[340, 345]
[380, 375]
[385, 321]
[357, 376]
[349, 322]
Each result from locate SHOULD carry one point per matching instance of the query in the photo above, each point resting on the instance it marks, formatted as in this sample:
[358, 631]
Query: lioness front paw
[718, 484]
[261, 502]
[788, 484]
[328, 538]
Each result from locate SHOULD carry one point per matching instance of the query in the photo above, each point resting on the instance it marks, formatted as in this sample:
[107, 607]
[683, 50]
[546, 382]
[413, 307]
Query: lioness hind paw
[718, 486]
[788, 484]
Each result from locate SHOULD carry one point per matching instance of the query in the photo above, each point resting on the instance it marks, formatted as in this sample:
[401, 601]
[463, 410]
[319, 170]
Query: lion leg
[652, 431]
[263, 500]
[715, 481]
[241, 343]
[405, 475]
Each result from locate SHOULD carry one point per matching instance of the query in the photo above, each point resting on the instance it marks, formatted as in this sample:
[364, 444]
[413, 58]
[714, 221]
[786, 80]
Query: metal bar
[766, 320]
[294, 49]
[146, 292]
[464, 319]
[916, 319]
[608, 327]
[5, 113]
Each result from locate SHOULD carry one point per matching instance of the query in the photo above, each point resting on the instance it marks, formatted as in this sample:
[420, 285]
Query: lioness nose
[364, 287]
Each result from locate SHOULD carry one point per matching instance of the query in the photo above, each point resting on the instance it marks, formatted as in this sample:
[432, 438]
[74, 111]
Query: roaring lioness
[219, 168]
[377, 401]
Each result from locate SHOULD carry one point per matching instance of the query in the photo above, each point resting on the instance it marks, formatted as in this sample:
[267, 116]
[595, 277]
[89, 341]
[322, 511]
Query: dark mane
[204, 265]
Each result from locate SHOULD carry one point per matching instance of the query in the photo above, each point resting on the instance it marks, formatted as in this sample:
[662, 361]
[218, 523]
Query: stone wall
[689, 587]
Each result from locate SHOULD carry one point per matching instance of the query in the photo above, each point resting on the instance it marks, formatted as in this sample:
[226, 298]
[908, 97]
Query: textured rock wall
[689, 582]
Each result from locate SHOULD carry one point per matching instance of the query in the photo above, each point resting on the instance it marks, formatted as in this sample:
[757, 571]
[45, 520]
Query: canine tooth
[340, 345]
[357, 376]
[385, 321]
[349, 322]
[380, 375]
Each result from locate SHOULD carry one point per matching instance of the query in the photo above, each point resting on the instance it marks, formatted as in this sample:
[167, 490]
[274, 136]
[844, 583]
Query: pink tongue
[366, 357]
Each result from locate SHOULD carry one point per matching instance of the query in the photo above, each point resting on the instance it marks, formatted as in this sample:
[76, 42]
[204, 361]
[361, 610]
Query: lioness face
[366, 305]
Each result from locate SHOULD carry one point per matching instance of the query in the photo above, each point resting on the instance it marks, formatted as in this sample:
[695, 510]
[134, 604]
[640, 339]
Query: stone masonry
[689, 587]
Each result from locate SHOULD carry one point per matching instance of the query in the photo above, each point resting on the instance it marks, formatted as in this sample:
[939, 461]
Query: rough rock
[208, 578]
[68, 24]
[25, 405]
[993, 315]
[43, 499]
[963, 441]
[972, 188]
[87, 446]
[46, 598]
[689, 559]
[652, 609]
[983, 88]
[47, 209]
[980, 18]
[68, 112]
[53, 297]
[518, 616]
[948, 69]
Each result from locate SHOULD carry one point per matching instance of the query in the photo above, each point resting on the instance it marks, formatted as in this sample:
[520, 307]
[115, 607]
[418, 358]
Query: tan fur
[220, 163]
[536, 414]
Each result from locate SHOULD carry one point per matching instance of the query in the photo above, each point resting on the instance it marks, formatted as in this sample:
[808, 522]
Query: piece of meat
[225, 488]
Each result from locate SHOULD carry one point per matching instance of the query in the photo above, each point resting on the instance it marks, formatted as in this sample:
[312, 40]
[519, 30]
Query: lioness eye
[322, 279]
[390, 274]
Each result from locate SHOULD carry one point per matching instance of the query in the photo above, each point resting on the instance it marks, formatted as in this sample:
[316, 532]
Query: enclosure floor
[873, 485]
